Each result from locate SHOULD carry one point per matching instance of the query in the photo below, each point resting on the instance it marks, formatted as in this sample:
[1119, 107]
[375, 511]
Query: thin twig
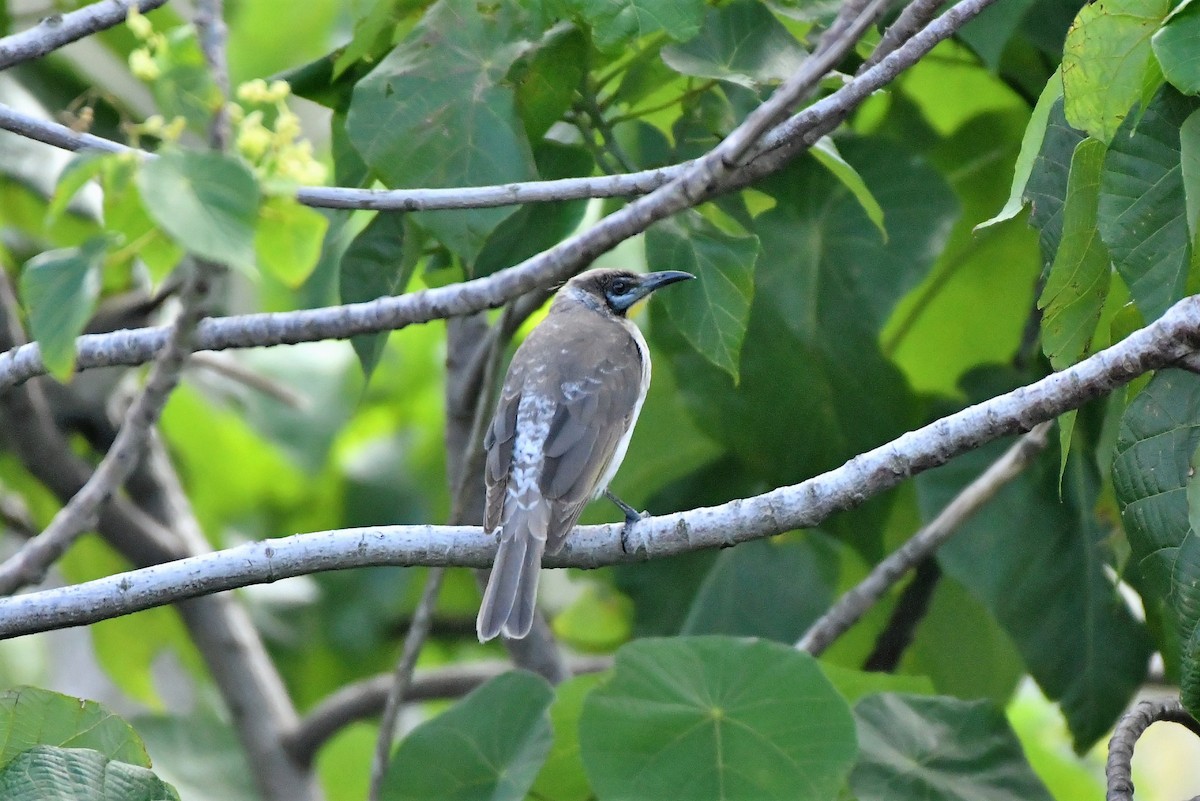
[855, 603]
[802, 505]
[1118, 770]
[402, 678]
[57, 30]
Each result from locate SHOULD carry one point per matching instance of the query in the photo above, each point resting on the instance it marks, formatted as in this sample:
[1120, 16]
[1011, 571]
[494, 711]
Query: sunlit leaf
[1106, 62]
[30, 716]
[287, 240]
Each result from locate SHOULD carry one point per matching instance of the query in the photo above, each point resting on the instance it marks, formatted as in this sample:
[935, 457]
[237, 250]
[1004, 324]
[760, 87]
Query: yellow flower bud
[278, 91]
[254, 91]
[142, 65]
[139, 26]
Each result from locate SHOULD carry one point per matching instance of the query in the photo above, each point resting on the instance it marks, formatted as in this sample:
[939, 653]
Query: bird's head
[618, 290]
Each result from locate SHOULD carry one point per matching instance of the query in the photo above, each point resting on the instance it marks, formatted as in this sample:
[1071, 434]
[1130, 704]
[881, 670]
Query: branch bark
[1118, 769]
[802, 505]
[57, 30]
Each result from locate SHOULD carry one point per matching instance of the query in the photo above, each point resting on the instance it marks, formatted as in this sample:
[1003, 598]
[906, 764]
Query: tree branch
[365, 699]
[1118, 770]
[57, 30]
[692, 183]
[802, 505]
[854, 604]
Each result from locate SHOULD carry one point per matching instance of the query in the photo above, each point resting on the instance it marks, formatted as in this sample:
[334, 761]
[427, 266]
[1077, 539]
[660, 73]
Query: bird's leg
[631, 516]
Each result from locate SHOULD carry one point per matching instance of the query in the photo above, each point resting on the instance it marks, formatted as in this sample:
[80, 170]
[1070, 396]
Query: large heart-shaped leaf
[716, 718]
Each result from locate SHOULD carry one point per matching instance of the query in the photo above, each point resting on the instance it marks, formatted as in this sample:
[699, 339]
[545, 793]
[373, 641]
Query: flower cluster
[277, 150]
[268, 132]
[141, 59]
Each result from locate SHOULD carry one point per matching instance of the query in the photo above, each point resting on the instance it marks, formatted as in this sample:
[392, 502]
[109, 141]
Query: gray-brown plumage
[562, 424]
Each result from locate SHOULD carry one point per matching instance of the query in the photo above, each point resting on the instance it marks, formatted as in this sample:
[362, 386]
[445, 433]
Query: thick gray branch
[60, 29]
[802, 505]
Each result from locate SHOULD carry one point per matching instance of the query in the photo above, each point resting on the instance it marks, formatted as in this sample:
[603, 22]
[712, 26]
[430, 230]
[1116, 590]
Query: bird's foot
[631, 516]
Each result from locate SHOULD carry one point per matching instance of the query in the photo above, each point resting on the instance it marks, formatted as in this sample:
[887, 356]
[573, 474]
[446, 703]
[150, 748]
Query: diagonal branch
[802, 505]
[698, 181]
[57, 30]
[855, 603]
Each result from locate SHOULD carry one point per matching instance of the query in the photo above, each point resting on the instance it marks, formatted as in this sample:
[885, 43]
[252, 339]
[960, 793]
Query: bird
[562, 424]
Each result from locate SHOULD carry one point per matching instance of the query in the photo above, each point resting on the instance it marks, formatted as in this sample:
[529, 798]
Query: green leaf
[1038, 561]
[47, 773]
[372, 35]
[409, 121]
[826, 152]
[199, 755]
[374, 266]
[288, 239]
[712, 311]
[1077, 285]
[82, 168]
[537, 226]
[1031, 146]
[1152, 468]
[773, 590]
[125, 213]
[562, 777]
[547, 84]
[488, 746]
[823, 286]
[1046, 191]
[1142, 205]
[1189, 165]
[855, 684]
[1106, 62]
[983, 662]
[1175, 46]
[939, 749]
[617, 23]
[59, 288]
[207, 202]
[741, 43]
[30, 716]
[719, 718]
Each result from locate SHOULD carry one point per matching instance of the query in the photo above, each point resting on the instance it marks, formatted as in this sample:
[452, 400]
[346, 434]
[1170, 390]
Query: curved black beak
[653, 281]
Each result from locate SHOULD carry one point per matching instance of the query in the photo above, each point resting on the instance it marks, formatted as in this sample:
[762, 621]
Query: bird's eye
[619, 286]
